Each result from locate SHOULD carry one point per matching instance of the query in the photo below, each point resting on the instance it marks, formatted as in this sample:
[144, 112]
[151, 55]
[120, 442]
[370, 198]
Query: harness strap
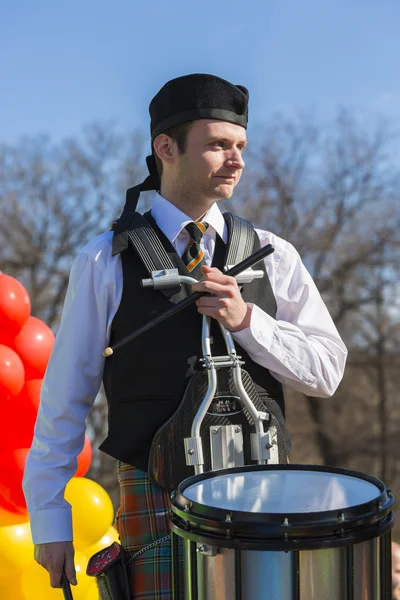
[241, 238]
[147, 245]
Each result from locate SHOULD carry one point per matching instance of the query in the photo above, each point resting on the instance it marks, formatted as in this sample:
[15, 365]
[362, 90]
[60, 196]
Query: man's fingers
[213, 303]
[69, 566]
[211, 287]
[204, 269]
[55, 570]
[222, 300]
[215, 274]
[221, 287]
[57, 557]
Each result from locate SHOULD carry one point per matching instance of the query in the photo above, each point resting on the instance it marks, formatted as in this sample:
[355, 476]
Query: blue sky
[67, 63]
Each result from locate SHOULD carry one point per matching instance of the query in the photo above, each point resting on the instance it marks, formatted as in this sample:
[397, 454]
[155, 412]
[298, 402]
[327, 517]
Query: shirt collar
[171, 220]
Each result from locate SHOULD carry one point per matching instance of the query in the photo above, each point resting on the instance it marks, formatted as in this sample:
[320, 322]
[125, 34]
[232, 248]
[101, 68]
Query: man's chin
[223, 190]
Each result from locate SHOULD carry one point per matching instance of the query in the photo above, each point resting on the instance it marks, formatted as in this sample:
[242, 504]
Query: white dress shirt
[301, 348]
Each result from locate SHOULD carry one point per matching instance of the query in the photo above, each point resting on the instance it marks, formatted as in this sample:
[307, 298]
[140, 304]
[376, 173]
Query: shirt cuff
[259, 336]
[51, 525]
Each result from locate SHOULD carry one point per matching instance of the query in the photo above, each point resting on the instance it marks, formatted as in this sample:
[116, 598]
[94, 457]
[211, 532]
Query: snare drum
[283, 532]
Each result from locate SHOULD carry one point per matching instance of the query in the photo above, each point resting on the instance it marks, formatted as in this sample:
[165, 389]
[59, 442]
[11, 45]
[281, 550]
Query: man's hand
[57, 557]
[225, 303]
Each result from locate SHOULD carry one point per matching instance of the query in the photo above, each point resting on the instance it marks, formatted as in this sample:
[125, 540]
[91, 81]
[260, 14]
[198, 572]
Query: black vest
[145, 379]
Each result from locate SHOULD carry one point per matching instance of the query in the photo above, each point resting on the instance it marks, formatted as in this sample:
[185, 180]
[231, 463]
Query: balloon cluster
[25, 346]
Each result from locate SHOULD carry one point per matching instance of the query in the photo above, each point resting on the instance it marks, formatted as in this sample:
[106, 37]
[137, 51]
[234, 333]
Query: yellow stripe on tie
[195, 261]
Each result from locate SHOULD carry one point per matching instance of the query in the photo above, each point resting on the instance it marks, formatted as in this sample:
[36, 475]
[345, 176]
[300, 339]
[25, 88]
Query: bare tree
[53, 199]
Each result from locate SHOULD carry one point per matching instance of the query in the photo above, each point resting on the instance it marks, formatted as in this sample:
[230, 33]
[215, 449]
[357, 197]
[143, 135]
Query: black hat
[197, 96]
[187, 98]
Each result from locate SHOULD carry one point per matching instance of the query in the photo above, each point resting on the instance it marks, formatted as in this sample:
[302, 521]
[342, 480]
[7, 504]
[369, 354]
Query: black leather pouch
[109, 568]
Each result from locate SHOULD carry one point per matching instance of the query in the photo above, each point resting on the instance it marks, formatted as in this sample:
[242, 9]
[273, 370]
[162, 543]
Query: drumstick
[66, 588]
[242, 266]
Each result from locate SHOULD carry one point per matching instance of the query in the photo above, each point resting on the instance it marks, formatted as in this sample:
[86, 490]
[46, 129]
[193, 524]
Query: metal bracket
[264, 415]
[226, 442]
[260, 446]
[219, 361]
[193, 451]
[210, 362]
[166, 278]
[274, 451]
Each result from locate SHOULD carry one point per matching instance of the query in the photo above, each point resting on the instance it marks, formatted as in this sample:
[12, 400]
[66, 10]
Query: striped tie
[193, 255]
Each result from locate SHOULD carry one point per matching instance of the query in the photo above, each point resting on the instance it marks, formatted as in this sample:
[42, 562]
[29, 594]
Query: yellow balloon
[35, 582]
[16, 548]
[84, 581]
[107, 539]
[10, 589]
[92, 511]
[9, 518]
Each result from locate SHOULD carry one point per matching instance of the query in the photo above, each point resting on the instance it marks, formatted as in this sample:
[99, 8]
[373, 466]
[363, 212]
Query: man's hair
[179, 134]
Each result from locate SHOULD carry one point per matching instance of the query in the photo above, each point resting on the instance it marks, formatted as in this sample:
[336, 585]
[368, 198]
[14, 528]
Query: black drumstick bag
[109, 568]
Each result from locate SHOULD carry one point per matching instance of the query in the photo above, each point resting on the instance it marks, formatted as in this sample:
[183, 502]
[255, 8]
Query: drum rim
[290, 522]
[291, 543]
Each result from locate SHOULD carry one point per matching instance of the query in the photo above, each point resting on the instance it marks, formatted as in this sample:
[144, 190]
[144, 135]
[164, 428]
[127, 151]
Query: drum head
[282, 491]
[278, 507]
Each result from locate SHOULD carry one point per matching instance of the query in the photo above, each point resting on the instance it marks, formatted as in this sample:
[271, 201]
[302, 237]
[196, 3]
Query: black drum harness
[224, 420]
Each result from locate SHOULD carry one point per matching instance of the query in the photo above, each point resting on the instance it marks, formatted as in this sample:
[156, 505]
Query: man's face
[212, 164]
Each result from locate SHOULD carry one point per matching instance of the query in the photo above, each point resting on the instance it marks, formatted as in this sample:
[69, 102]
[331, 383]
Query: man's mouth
[226, 177]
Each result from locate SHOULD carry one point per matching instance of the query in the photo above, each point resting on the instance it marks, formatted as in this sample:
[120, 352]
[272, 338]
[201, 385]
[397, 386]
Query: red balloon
[12, 373]
[34, 344]
[84, 459]
[6, 339]
[12, 469]
[19, 417]
[15, 306]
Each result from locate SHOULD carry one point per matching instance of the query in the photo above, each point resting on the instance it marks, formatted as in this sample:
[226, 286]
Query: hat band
[199, 113]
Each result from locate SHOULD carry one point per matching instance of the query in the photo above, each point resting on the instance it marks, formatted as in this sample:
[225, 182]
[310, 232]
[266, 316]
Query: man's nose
[235, 160]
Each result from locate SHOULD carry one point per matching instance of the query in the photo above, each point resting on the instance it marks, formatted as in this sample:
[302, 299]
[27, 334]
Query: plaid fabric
[142, 519]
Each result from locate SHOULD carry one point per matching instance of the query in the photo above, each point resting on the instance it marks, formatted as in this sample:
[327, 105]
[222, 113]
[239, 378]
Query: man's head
[198, 128]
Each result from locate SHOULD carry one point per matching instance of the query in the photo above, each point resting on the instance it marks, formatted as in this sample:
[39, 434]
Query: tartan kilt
[142, 519]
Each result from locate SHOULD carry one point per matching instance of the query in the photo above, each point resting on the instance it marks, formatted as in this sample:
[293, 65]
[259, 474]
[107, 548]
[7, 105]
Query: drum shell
[352, 572]
[343, 555]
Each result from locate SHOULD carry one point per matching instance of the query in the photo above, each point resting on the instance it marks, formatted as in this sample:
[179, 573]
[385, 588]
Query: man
[198, 126]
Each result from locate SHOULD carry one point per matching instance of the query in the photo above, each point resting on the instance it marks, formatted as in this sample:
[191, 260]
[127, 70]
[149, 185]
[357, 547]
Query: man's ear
[163, 147]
